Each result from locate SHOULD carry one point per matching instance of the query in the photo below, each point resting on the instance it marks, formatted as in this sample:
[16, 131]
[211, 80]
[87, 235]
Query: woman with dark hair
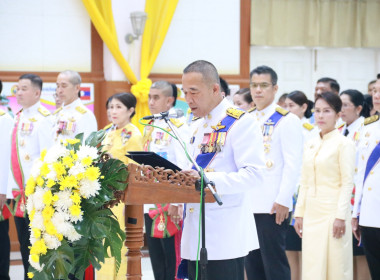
[124, 138]
[323, 212]
[243, 99]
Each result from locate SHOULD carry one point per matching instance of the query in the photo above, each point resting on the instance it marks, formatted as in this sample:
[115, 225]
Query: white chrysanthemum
[87, 151]
[60, 222]
[64, 201]
[73, 235]
[89, 188]
[38, 199]
[77, 169]
[55, 152]
[38, 221]
[51, 241]
[29, 203]
[76, 219]
[36, 265]
[35, 171]
[52, 174]
[32, 239]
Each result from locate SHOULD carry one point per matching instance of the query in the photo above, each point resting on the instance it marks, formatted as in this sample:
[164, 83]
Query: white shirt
[367, 195]
[6, 126]
[73, 119]
[353, 129]
[34, 135]
[283, 161]
[236, 170]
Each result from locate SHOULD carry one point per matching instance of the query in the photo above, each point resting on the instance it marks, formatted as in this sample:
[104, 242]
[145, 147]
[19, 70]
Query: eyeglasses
[261, 85]
[347, 105]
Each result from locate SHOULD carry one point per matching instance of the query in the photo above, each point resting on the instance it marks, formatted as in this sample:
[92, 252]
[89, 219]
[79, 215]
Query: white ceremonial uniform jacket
[367, 195]
[165, 146]
[73, 119]
[309, 131]
[283, 161]
[33, 135]
[6, 126]
[235, 170]
[353, 129]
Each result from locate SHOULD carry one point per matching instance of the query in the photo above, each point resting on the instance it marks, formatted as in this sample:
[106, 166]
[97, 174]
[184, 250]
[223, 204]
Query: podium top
[152, 159]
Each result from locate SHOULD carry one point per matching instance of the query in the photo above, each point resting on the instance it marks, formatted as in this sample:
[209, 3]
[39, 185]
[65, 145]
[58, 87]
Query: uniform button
[27, 157]
[205, 125]
[362, 157]
[369, 188]
[191, 210]
[209, 116]
[371, 172]
[356, 170]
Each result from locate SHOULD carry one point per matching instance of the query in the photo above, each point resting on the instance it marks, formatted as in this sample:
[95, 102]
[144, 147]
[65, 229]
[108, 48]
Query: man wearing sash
[227, 144]
[162, 253]
[283, 143]
[30, 134]
[365, 216]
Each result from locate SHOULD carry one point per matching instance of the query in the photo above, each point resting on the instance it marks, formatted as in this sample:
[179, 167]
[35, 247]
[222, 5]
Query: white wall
[44, 35]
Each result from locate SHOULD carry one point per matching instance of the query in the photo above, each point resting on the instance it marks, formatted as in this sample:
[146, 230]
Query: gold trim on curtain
[325, 23]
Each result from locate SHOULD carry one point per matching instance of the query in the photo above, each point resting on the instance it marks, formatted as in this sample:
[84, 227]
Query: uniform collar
[330, 134]
[218, 110]
[77, 102]
[265, 113]
[32, 109]
[355, 125]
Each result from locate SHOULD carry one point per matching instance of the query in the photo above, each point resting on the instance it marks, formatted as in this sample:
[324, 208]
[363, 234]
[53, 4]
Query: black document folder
[152, 159]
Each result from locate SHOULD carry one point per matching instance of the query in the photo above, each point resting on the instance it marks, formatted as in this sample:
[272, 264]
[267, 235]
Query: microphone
[176, 113]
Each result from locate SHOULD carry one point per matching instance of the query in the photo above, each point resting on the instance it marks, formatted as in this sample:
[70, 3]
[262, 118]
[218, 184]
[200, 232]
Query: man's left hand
[282, 212]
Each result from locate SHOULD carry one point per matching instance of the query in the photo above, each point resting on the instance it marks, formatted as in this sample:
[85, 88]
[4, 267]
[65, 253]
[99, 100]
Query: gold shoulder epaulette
[235, 113]
[56, 111]
[81, 110]
[43, 111]
[252, 109]
[2, 112]
[107, 126]
[341, 126]
[282, 111]
[178, 123]
[308, 126]
[371, 119]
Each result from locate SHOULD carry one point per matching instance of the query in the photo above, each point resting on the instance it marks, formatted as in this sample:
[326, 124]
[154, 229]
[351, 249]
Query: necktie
[346, 132]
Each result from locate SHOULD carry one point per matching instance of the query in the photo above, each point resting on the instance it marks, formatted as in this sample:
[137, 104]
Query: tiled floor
[17, 271]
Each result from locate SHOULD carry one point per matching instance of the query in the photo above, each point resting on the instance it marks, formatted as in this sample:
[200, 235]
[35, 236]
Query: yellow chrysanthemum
[35, 258]
[75, 210]
[72, 141]
[50, 183]
[38, 248]
[47, 198]
[30, 186]
[55, 198]
[30, 275]
[59, 169]
[48, 212]
[50, 228]
[86, 161]
[59, 236]
[44, 169]
[73, 154]
[40, 182]
[43, 154]
[31, 215]
[36, 233]
[76, 198]
[68, 182]
[92, 173]
[68, 161]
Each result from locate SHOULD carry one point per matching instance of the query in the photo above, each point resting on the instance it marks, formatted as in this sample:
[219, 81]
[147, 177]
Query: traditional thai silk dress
[325, 194]
[118, 142]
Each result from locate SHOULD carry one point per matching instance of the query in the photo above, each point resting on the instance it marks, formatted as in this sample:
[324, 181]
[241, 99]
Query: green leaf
[115, 174]
[95, 138]
[80, 137]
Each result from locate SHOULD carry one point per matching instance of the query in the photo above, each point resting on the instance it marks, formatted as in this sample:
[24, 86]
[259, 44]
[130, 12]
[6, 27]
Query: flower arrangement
[68, 194]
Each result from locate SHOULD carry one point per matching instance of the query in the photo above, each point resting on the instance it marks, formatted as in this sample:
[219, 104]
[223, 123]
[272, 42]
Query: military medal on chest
[26, 128]
[125, 135]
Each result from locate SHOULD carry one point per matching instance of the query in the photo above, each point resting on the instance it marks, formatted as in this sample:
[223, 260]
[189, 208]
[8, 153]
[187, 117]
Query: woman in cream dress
[323, 208]
[122, 138]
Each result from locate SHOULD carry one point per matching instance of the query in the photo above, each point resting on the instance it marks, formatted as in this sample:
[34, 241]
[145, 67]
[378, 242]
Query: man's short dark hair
[332, 82]
[265, 70]
[206, 69]
[378, 76]
[224, 87]
[34, 79]
[167, 89]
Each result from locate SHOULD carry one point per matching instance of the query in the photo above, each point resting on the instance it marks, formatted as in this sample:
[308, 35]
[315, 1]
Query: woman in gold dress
[323, 208]
[122, 138]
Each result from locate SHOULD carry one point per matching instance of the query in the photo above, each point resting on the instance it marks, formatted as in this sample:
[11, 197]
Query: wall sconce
[138, 23]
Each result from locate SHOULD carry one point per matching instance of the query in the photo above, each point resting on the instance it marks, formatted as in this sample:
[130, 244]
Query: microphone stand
[206, 183]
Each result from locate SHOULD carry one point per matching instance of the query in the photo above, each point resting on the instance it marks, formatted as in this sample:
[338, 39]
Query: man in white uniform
[228, 145]
[283, 143]
[162, 98]
[30, 135]
[73, 117]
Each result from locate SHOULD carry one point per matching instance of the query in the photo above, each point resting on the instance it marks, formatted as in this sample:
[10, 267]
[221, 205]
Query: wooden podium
[147, 185]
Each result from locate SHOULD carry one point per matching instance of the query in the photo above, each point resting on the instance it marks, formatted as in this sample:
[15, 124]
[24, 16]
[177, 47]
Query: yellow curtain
[160, 13]
[325, 23]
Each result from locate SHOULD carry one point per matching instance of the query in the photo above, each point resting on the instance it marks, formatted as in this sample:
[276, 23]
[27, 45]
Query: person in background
[354, 110]
[281, 100]
[58, 101]
[365, 215]
[109, 126]
[124, 138]
[371, 87]
[225, 89]
[326, 84]
[282, 140]
[243, 99]
[323, 207]
[30, 135]
[162, 98]
[73, 117]
[368, 100]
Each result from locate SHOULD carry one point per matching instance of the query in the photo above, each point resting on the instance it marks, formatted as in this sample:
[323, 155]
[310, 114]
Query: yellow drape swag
[160, 14]
[325, 23]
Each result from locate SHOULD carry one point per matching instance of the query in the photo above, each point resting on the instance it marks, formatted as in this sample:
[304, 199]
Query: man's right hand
[355, 228]
[3, 199]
